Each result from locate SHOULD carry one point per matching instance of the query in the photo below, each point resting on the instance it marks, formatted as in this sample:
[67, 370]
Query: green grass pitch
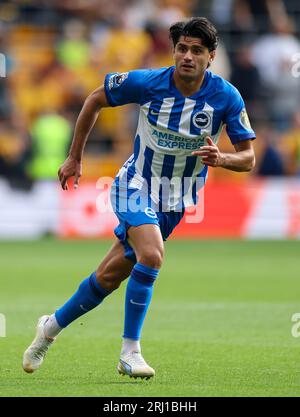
[219, 323]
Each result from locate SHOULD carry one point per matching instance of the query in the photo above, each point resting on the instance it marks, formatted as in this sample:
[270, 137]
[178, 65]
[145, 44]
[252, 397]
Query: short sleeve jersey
[172, 126]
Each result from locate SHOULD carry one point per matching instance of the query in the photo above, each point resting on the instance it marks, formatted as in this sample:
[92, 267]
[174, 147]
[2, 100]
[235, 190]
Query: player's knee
[152, 257]
[108, 281]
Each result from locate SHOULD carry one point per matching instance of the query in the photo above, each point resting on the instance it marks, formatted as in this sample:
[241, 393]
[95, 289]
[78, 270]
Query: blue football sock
[88, 296]
[138, 296]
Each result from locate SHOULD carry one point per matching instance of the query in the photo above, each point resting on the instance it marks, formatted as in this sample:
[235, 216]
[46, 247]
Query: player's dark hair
[196, 27]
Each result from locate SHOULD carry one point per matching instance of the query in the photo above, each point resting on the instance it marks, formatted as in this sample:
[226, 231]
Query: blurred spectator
[51, 136]
[159, 52]
[291, 146]
[293, 9]
[270, 161]
[265, 12]
[241, 28]
[73, 51]
[124, 47]
[221, 65]
[246, 20]
[170, 11]
[221, 12]
[273, 55]
[138, 12]
[14, 151]
[245, 77]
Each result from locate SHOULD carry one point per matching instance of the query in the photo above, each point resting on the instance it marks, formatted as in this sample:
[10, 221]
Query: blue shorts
[128, 217]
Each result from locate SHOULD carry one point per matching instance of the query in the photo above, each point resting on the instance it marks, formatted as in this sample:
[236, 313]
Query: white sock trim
[51, 327]
[130, 345]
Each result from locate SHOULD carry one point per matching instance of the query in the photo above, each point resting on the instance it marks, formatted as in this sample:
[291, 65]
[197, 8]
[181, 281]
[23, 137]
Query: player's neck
[187, 87]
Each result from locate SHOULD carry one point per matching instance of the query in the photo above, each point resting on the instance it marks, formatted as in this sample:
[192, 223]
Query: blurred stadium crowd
[57, 52]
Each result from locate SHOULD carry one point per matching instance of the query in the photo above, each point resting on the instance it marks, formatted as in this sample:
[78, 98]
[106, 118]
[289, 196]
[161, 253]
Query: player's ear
[212, 55]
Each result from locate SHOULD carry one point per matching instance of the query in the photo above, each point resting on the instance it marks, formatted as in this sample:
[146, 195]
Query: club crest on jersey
[150, 212]
[117, 79]
[202, 119]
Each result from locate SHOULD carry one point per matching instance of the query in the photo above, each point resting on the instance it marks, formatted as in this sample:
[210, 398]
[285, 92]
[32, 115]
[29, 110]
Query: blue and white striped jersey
[171, 126]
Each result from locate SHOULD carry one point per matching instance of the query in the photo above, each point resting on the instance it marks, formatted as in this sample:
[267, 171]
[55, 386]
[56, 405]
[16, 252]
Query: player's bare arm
[72, 167]
[241, 160]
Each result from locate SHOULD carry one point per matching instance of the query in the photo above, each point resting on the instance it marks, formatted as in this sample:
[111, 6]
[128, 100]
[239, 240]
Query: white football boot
[134, 365]
[33, 356]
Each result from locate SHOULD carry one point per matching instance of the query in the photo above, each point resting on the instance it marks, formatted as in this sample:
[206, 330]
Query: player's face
[191, 58]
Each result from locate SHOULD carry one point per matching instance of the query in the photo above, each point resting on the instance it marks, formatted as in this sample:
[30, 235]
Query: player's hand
[70, 168]
[210, 154]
